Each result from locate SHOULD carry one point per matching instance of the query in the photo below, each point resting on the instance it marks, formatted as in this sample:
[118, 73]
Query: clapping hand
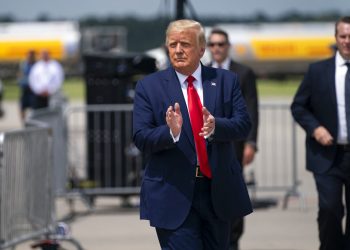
[173, 119]
[208, 123]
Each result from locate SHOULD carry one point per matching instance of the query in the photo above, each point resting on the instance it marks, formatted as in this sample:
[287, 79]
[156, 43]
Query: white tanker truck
[65, 41]
[273, 48]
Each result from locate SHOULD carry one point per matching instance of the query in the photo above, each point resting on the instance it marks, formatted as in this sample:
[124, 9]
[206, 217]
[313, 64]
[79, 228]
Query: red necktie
[196, 116]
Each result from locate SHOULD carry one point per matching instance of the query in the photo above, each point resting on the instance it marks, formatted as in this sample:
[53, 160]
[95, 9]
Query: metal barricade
[26, 198]
[29, 160]
[102, 158]
[275, 167]
[53, 118]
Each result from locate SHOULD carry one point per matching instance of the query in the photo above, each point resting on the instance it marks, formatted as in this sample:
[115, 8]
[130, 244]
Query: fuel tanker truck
[273, 48]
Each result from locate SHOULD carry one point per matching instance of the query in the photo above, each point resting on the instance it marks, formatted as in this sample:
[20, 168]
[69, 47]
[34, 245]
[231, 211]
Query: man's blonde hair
[186, 24]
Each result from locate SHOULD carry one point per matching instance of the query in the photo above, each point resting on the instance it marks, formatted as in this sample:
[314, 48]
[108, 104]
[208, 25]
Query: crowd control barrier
[275, 167]
[104, 161]
[93, 152]
[27, 193]
[26, 199]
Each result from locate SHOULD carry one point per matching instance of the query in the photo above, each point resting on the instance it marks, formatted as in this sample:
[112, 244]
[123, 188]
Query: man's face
[185, 51]
[343, 40]
[219, 47]
[45, 55]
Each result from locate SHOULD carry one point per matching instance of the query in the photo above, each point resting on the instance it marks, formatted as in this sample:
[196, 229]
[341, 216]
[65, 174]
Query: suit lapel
[176, 95]
[209, 83]
[232, 66]
[235, 68]
[331, 81]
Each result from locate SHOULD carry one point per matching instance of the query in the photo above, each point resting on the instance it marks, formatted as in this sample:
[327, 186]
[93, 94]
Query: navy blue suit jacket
[315, 104]
[169, 178]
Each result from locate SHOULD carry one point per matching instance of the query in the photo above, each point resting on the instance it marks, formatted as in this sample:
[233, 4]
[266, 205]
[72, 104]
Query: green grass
[74, 88]
[11, 91]
[278, 88]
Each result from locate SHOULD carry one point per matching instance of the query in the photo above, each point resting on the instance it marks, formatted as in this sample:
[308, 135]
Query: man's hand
[174, 120]
[208, 123]
[248, 154]
[322, 136]
[44, 93]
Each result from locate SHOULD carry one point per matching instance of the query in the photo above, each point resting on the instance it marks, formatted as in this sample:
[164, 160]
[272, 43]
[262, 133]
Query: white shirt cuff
[210, 134]
[177, 138]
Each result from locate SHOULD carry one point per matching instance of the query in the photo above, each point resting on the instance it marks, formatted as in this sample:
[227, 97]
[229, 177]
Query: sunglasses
[220, 44]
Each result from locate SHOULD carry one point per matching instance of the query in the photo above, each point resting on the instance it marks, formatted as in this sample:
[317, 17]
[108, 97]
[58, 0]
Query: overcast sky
[72, 9]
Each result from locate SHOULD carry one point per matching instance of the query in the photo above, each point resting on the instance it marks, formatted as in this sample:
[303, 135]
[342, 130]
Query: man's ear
[202, 50]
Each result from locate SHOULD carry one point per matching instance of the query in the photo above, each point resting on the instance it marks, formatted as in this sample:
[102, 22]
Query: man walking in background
[219, 46]
[186, 119]
[322, 107]
[27, 96]
[45, 79]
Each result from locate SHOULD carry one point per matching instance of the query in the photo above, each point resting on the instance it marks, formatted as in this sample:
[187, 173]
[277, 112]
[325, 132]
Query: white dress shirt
[46, 77]
[197, 74]
[224, 65]
[340, 73]
[197, 84]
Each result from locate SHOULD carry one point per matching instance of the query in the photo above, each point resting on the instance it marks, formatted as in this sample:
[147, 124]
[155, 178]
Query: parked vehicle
[65, 40]
[272, 48]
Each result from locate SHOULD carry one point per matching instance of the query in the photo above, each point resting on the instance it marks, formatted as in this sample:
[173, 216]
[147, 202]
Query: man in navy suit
[322, 107]
[186, 119]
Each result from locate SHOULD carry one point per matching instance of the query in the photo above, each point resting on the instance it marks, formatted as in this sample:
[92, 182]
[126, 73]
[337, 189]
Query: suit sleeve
[149, 135]
[301, 105]
[250, 94]
[236, 124]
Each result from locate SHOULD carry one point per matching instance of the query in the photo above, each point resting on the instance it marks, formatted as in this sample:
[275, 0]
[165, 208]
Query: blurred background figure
[219, 46]
[26, 97]
[45, 79]
[161, 55]
[1, 97]
[322, 107]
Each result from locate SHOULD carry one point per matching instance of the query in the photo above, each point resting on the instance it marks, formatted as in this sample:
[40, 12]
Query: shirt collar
[339, 60]
[196, 74]
[224, 65]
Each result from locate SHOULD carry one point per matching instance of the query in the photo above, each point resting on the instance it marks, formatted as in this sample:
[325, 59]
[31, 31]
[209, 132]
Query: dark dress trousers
[169, 182]
[315, 104]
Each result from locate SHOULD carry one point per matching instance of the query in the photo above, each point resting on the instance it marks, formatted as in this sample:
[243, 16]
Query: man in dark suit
[219, 46]
[322, 107]
[186, 119]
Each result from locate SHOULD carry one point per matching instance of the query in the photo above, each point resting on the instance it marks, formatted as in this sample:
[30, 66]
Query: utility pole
[180, 9]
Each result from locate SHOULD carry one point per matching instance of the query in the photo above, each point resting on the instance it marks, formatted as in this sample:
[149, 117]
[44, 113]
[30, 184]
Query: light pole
[180, 9]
